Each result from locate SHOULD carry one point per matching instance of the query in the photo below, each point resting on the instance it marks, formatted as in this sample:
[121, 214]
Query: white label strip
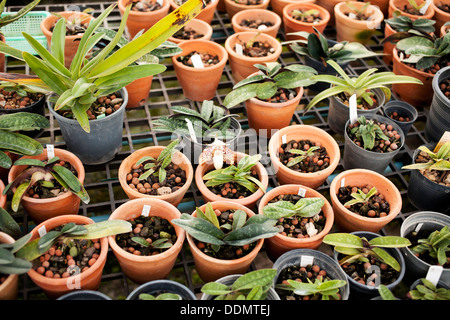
[146, 210]
[197, 61]
[352, 107]
[239, 49]
[283, 139]
[262, 27]
[434, 274]
[191, 130]
[306, 260]
[343, 182]
[351, 15]
[301, 192]
[425, 7]
[42, 231]
[160, 2]
[50, 151]
[418, 227]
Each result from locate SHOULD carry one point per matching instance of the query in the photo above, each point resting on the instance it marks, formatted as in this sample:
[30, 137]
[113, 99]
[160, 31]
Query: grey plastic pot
[192, 149]
[339, 113]
[84, 295]
[362, 291]
[440, 284]
[402, 108]
[356, 157]
[163, 285]
[230, 279]
[430, 221]
[324, 261]
[104, 140]
[425, 194]
[438, 120]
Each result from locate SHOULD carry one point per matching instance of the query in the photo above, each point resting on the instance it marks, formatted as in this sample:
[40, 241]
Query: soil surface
[361, 103]
[310, 18]
[376, 206]
[145, 6]
[316, 162]
[441, 177]
[12, 100]
[445, 87]
[187, 34]
[102, 107]
[257, 49]
[255, 23]
[398, 116]
[208, 60]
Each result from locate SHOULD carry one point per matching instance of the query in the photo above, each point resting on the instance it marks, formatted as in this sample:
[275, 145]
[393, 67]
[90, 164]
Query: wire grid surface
[104, 188]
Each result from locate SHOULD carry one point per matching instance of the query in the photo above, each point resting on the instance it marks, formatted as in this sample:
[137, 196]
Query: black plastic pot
[104, 140]
[425, 194]
[356, 157]
[402, 108]
[84, 295]
[156, 286]
[324, 261]
[429, 221]
[362, 291]
[339, 113]
[438, 120]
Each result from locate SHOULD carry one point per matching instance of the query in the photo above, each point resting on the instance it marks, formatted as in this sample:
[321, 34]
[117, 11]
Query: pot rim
[306, 5]
[284, 189]
[141, 288]
[303, 130]
[195, 23]
[271, 14]
[146, 201]
[437, 79]
[244, 6]
[6, 238]
[72, 158]
[262, 173]
[396, 59]
[124, 167]
[164, 7]
[428, 14]
[262, 36]
[438, 10]
[394, 210]
[3, 198]
[52, 18]
[403, 105]
[233, 206]
[378, 15]
[43, 99]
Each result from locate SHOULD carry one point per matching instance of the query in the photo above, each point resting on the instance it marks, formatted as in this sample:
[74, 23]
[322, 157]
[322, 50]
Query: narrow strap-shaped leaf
[200, 229]
[105, 228]
[79, 111]
[5, 160]
[249, 280]
[384, 256]
[8, 224]
[58, 38]
[29, 162]
[69, 178]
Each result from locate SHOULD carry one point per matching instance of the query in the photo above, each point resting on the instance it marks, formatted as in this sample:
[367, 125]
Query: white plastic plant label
[434, 274]
[50, 151]
[197, 61]
[239, 49]
[262, 27]
[352, 107]
[191, 130]
[445, 138]
[425, 7]
[306, 260]
[283, 139]
[351, 15]
[146, 210]
[160, 2]
[301, 192]
[343, 182]
[418, 227]
[42, 231]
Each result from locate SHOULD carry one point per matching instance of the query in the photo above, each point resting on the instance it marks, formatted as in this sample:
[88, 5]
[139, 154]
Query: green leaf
[343, 240]
[390, 242]
[105, 228]
[239, 219]
[69, 178]
[266, 90]
[210, 215]
[252, 279]
[240, 95]
[200, 229]
[8, 225]
[215, 289]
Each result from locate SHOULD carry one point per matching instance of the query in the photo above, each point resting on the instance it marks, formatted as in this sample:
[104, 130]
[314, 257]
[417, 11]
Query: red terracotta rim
[193, 24]
[393, 4]
[276, 18]
[50, 19]
[165, 6]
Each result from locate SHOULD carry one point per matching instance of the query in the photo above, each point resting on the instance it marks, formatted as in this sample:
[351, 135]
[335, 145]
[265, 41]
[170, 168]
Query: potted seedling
[429, 186]
[376, 140]
[162, 289]
[242, 181]
[370, 89]
[431, 55]
[247, 48]
[224, 237]
[438, 117]
[156, 172]
[263, 20]
[304, 17]
[402, 113]
[423, 289]
[254, 285]
[369, 259]
[195, 29]
[47, 185]
[317, 276]
[414, 9]
[271, 96]
[303, 216]
[317, 50]
[303, 154]
[234, 6]
[77, 238]
[356, 21]
[360, 182]
[89, 85]
[149, 251]
[207, 13]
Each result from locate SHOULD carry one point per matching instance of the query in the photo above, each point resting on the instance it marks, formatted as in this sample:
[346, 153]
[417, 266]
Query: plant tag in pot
[351, 15]
[301, 192]
[239, 49]
[445, 138]
[352, 107]
[146, 210]
[424, 9]
[306, 260]
[50, 151]
[197, 61]
[434, 274]
[343, 183]
[160, 2]
[191, 130]
[283, 139]
[262, 27]
[42, 231]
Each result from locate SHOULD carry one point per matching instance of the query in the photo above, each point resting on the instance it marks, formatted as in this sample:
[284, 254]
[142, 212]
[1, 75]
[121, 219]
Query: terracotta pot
[143, 20]
[399, 5]
[388, 47]
[3, 198]
[354, 30]
[382, 4]
[178, 158]
[348, 221]
[209, 196]
[141, 269]
[198, 25]
[209, 268]
[207, 13]
[288, 176]
[444, 30]
[329, 5]
[440, 16]
[221, 6]
[87, 280]
[71, 42]
[266, 118]
[278, 5]
[67, 203]
[292, 25]
[200, 83]
[9, 288]
[414, 94]
[253, 14]
[232, 7]
[279, 244]
[138, 92]
[242, 66]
